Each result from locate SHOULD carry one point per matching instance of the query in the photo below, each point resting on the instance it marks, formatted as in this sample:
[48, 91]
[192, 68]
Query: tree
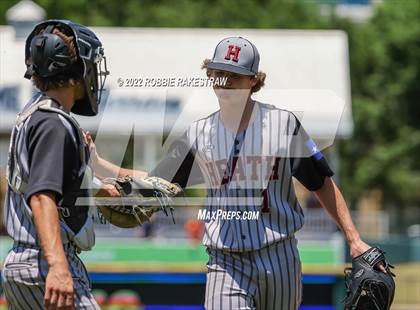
[182, 13]
[385, 69]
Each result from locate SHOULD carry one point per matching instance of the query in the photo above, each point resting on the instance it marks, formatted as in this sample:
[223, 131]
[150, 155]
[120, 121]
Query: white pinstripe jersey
[268, 153]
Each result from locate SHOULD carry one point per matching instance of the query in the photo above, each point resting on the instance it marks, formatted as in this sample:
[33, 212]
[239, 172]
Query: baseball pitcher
[248, 153]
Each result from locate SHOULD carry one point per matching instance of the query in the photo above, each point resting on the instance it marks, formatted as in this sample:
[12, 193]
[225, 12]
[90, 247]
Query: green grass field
[114, 254]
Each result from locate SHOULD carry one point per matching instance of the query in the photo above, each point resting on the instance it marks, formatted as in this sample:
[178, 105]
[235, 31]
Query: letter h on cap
[233, 51]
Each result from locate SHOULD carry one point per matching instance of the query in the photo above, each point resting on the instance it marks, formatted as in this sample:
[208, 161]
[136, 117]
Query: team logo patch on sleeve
[315, 152]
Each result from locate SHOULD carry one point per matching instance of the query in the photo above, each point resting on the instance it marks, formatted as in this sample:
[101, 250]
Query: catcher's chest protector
[17, 172]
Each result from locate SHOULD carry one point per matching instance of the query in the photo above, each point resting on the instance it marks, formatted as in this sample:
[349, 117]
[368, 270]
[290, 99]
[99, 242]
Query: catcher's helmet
[47, 55]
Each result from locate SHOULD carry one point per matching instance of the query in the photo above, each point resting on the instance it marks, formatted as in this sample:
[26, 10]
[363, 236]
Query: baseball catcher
[139, 199]
[368, 287]
[47, 163]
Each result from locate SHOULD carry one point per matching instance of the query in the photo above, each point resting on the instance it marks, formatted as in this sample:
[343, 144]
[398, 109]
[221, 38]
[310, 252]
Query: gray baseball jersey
[249, 171]
[45, 155]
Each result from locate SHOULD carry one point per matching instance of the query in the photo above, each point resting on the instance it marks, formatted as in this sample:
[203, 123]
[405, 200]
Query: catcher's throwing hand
[367, 286]
[59, 289]
[137, 200]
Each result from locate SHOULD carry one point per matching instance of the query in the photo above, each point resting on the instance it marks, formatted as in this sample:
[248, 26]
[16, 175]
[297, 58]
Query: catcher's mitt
[140, 198]
[368, 288]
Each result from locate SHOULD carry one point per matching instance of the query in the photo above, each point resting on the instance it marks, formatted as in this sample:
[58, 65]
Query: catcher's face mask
[46, 59]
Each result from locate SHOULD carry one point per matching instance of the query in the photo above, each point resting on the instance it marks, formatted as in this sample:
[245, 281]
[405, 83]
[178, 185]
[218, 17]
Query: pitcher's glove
[140, 198]
[368, 288]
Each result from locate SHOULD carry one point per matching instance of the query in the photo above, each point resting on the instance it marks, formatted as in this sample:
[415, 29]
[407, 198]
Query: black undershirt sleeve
[51, 152]
[179, 166]
[309, 165]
